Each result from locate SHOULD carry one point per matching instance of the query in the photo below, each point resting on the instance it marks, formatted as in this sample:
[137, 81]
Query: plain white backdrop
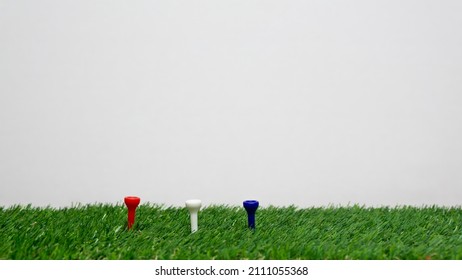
[288, 102]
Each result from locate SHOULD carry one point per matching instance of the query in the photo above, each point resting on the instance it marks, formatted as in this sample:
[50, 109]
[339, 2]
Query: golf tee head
[131, 202]
[251, 206]
[193, 206]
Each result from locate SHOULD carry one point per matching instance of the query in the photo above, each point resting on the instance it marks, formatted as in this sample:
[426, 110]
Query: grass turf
[99, 232]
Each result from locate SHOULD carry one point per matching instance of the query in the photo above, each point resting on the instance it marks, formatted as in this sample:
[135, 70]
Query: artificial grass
[99, 232]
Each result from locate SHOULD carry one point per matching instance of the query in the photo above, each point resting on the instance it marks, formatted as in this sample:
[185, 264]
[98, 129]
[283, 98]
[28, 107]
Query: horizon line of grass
[292, 206]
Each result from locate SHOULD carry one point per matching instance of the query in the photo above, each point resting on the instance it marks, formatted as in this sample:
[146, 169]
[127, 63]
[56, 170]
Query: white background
[288, 102]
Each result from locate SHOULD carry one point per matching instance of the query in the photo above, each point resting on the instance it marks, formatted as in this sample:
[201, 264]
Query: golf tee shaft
[131, 218]
[251, 220]
[193, 221]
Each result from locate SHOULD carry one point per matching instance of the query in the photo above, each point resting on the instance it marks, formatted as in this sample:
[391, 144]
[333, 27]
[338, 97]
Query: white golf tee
[193, 206]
